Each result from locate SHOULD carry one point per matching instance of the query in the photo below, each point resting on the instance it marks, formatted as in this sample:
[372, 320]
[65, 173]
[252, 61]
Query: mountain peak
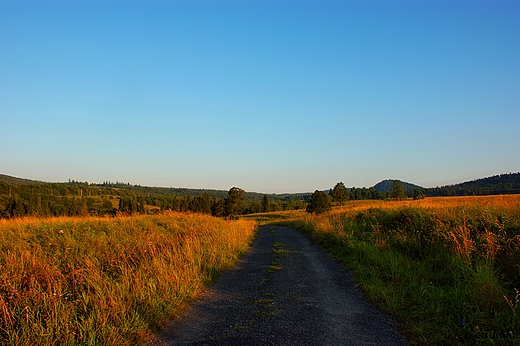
[387, 185]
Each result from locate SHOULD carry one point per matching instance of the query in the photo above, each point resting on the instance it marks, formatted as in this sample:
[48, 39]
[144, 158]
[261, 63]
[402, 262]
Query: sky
[271, 96]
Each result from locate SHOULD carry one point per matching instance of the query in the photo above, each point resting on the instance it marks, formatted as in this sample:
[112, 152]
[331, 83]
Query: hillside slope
[386, 186]
[18, 181]
[497, 184]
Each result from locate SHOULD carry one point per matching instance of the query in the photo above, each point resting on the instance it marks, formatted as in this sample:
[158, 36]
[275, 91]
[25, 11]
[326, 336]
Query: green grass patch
[451, 275]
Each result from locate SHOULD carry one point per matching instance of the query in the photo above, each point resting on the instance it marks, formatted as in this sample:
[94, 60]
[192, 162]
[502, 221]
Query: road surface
[284, 291]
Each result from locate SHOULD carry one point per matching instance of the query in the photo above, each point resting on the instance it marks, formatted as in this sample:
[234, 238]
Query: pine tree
[218, 207]
[340, 193]
[265, 203]
[15, 207]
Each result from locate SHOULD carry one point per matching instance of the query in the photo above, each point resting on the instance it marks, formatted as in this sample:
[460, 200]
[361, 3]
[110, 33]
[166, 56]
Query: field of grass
[448, 268]
[107, 281]
[270, 217]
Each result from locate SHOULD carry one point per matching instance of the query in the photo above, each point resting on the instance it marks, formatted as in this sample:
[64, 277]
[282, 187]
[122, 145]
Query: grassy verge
[96, 281]
[271, 217]
[451, 274]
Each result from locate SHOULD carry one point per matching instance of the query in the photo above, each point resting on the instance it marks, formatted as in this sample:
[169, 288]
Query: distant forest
[495, 185]
[20, 197]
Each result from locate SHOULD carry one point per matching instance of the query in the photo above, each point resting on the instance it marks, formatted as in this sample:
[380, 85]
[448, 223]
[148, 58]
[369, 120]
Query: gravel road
[284, 291]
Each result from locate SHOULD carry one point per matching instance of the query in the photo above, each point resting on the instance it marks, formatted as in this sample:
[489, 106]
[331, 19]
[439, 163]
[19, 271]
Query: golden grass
[506, 201]
[269, 217]
[438, 203]
[107, 281]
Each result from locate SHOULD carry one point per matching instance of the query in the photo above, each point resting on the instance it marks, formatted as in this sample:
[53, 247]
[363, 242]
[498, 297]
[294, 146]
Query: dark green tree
[320, 202]
[185, 203]
[235, 201]
[218, 207]
[254, 207]
[265, 203]
[176, 204]
[418, 194]
[275, 206]
[397, 190]
[128, 205]
[140, 205]
[15, 207]
[340, 193]
[201, 204]
[353, 195]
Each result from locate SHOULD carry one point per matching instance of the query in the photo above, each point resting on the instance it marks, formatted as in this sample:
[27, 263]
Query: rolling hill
[498, 184]
[386, 186]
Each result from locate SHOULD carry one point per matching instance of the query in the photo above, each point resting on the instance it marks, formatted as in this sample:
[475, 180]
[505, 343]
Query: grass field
[107, 281]
[448, 268]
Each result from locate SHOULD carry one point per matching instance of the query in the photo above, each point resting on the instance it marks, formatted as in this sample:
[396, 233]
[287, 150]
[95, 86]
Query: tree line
[82, 199]
[321, 201]
[494, 185]
[20, 197]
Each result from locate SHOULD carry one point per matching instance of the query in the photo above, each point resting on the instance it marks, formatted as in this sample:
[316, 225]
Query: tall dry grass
[502, 201]
[107, 281]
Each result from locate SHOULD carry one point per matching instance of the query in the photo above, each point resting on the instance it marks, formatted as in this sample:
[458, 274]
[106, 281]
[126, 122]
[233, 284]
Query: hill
[494, 185]
[18, 181]
[386, 186]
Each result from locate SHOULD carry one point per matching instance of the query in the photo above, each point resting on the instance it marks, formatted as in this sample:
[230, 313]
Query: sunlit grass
[107, 281]
[266, 218]
[433, 202]
[448, 267]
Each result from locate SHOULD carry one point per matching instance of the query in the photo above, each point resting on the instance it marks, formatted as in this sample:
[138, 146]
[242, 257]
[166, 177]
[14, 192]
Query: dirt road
[285, 291]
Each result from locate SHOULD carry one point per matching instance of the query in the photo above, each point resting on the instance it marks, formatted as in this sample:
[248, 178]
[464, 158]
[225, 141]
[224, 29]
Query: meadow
[108, 281]
[448, 268]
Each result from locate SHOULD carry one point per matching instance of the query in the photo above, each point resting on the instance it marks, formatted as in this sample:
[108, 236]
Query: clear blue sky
[267, 95]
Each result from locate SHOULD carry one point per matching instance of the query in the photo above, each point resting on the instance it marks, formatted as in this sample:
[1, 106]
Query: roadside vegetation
[448, 268]
[109, 263]
[108, 281]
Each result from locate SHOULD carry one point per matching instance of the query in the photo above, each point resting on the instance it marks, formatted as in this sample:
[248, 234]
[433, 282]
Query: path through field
[284, 291]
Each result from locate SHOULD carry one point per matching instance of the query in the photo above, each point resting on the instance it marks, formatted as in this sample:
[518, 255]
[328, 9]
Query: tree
[275, 206]
[201, 204]
[353, 193]
[218, 207]
[176, 204]
[83, 209]
[253, 208]
[128, 205]
[397, 190]
[418, 194]
[340, 193]
[107, 205]
[235, 201]
[15, 207]
[140, 205]
[265, 204]
[320, 202]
